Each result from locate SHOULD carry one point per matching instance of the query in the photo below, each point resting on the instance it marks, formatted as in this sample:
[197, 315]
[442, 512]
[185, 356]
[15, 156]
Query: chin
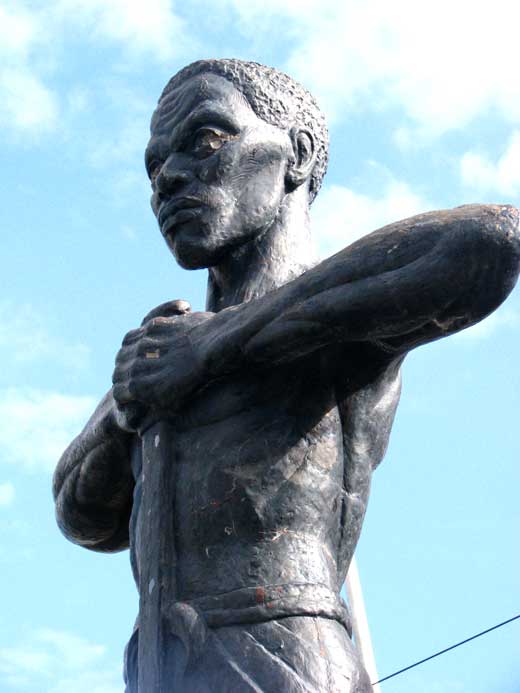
[193, 253]
[197, 247]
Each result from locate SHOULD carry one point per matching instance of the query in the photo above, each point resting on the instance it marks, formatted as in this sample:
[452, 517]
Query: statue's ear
[304, 157]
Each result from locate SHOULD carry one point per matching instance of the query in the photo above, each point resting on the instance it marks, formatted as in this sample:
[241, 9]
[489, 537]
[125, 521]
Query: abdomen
[258, 491]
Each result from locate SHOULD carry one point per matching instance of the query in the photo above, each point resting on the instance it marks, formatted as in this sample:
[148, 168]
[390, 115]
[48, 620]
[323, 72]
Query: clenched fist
[157, 366]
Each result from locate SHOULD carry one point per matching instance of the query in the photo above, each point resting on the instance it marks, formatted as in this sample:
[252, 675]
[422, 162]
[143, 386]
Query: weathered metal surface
[243, 520]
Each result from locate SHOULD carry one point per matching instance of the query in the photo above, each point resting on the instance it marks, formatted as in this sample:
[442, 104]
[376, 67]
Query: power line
[447, 649]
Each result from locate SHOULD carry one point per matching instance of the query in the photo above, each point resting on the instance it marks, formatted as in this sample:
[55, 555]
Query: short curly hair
[274, 97]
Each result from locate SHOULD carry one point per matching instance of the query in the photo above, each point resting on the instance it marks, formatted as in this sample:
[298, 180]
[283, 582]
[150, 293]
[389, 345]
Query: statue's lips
[178, 211]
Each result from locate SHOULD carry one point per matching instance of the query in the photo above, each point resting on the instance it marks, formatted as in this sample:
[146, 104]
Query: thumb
[168, 310]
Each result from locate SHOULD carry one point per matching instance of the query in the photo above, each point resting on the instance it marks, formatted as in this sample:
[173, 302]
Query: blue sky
[423, 101]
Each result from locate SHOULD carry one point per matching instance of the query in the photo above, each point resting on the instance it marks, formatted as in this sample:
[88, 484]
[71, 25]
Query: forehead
[199, 96]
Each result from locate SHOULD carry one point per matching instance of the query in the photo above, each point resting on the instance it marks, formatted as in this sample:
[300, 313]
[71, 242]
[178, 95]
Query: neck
[280, 254]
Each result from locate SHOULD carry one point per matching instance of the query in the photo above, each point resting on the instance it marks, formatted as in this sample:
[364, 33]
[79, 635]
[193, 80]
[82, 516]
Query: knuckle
[148, 328]
[145, 346]
[157, 326]
[158, 322]
[121, 356]
[131, 336]
[118, 393]
[132, 387]
[131, 372]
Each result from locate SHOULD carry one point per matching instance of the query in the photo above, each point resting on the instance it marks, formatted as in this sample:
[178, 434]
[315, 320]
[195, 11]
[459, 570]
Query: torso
[264, 494]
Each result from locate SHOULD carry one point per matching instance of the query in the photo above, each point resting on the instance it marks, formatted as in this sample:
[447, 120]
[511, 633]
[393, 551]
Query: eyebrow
[204, 113]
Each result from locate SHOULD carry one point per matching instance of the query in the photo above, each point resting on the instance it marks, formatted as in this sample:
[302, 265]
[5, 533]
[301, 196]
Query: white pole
[360, 629]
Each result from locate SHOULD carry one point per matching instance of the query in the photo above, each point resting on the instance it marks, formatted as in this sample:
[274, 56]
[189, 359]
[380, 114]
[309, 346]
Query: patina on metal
[235, 450]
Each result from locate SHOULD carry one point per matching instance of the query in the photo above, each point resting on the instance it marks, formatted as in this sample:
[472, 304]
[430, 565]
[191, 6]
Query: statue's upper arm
[93, 484]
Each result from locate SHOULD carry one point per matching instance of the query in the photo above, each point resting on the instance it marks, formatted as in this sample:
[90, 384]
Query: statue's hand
[157, 367]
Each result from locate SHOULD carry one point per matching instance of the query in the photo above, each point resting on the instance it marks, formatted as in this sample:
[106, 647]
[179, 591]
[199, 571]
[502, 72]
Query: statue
[235, 450]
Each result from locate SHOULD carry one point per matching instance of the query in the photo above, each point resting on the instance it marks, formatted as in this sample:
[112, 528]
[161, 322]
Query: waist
[234, 564]
[268, 602]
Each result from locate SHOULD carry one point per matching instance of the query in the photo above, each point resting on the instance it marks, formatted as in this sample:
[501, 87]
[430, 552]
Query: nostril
[169, 182]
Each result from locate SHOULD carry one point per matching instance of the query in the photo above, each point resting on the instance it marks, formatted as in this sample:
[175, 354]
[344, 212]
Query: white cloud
[74, 652]
[128, 143]
[501, 176]
[443, 63]
[18, 30]
[142, 27]
[24, 338]
[340, 216]
[36, 426]
[6, 493]
[33, 35]
[59, 662]
[26, 103]
[78, 100]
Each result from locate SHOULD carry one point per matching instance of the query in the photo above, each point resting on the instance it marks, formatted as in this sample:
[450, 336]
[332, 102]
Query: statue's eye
[209, 140]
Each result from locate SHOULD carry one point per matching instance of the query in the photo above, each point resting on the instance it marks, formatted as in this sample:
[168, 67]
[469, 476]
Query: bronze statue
[235, 450]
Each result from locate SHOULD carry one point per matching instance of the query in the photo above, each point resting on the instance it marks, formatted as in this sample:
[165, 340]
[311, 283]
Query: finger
[121, 373]
[167, 328]
[146, 356]
[147, 363]
[147, 342]
[151, 389]
[127, 349]
[124, 391]
[151, 348]
[161, 323]
[130, 416]
[125, 357]
[133, 336]
[168, 309]
[155, 367]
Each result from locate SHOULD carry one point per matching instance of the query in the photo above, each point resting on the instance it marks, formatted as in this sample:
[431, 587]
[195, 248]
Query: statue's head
[230, 142]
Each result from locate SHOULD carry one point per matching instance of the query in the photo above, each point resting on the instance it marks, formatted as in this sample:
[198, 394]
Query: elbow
[501, 232]
[93, 526]
[490, 256]
[502, 244]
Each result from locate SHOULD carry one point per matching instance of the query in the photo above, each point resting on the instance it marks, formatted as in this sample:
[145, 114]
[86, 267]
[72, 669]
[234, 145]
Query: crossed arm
[402, 286]
[407, 284]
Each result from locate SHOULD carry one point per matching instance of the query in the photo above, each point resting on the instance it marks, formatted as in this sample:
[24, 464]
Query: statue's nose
[171, 179]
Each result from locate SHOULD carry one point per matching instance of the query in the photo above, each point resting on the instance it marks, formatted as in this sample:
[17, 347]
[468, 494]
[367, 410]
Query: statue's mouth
[178, 211]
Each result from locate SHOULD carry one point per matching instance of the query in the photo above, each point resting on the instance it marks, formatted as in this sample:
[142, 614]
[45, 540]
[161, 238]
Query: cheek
[260, 185]
[246, 185]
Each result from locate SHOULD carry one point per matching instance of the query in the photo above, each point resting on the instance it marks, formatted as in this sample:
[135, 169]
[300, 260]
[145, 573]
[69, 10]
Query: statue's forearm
[93, 484]
[406, 284]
